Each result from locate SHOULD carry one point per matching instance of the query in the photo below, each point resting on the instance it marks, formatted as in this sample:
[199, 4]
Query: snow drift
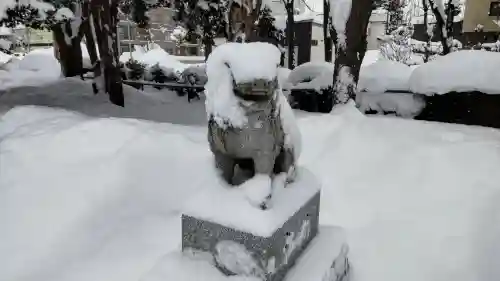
[99, 198]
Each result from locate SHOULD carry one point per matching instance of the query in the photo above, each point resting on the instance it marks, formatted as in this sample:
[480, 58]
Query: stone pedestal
[245, 240]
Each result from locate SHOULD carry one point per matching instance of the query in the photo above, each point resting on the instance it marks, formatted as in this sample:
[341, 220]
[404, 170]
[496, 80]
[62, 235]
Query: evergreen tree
[136, 10]
[395, 14]
[69, 32]
[203, 20]
[266, 28]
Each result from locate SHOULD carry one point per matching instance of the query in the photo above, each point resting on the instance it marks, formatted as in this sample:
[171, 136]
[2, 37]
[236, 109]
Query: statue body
[259, 146]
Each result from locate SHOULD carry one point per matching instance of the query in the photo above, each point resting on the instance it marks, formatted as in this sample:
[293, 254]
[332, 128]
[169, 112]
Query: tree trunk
[326, 30]
[69, 49]
[88, 32]
[290, 36]
[207, 44]
[450, 16]
[348, 57]
[251, 18]
[105, 15]
[427, 35]
[441, 24]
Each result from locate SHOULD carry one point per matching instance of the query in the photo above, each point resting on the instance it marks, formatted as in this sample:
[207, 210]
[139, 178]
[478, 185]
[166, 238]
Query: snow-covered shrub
[396, 46]
[135, 70]
[159, 75]
[435, 48]
[492, 47]
[462, 71]
[178, 34]
[384, 75]
[194, 75]
[312, 75]
[311, 86]
[405, 105]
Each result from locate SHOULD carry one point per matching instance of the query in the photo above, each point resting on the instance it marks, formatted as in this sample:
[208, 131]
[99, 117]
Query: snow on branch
[339, 12]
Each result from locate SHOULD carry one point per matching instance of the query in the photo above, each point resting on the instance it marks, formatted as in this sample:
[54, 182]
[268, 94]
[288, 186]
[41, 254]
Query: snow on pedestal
[246, 240]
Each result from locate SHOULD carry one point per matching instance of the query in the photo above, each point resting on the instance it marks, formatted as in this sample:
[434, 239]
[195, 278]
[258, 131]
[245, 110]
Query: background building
[481, 21]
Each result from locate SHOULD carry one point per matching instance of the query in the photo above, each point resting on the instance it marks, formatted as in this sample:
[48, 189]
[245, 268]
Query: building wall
[317, 44]
[376, 28]
[477, 12]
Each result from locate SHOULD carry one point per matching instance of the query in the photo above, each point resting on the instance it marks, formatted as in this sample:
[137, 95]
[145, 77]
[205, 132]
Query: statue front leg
[225, 164]
[264, 165]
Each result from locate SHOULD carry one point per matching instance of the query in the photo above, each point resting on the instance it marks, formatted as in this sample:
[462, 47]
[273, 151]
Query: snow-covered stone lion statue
[251, 126]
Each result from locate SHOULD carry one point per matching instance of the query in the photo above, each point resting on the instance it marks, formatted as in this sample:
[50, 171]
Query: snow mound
[183, 267]
[384, 75]
[156, 55]
[126, 181]
[406, 105]
[4, 58]
[312, 75]
[164, 59]
[36, 68]
[461, 71]
[371, 56]
[100, 199]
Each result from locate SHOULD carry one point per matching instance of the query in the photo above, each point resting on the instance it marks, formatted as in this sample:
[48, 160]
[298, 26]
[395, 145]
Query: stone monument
[280, 238]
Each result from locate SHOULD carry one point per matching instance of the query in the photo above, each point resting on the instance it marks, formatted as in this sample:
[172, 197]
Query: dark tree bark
[290, 34]
[450, 16]
[88, 33]
[427, 37]
[105, 17]
[252, 18]
[326, 31]
[207, 44]
[443, 25]
[69, 49]
[348, 57]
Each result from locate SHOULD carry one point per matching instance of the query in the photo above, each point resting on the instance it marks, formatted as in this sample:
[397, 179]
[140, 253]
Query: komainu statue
[258, 147]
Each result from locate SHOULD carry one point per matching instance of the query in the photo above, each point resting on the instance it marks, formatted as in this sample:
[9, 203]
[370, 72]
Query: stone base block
[237, 252]
[325, 259]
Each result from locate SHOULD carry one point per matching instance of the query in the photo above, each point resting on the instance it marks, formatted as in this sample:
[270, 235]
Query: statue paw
[291, 175]
[258, 191]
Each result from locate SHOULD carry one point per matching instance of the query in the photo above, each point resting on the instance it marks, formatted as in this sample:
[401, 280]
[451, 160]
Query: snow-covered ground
[75, 94]
[85, 198]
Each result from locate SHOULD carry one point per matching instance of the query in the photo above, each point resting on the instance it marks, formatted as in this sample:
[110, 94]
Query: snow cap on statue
[247, 61]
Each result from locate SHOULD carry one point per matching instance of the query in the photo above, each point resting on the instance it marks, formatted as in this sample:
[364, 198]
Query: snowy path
[74, 94]
[99, 199]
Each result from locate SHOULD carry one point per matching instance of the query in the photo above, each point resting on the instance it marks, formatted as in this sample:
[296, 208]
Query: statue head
[256, 90]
